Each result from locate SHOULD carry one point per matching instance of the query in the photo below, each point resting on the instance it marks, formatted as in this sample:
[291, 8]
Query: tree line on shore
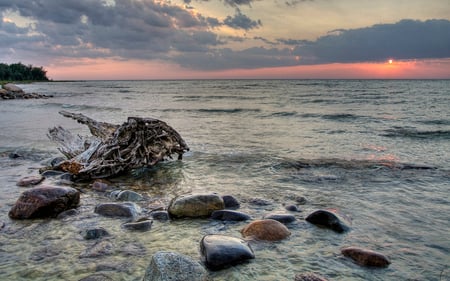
[21, 72]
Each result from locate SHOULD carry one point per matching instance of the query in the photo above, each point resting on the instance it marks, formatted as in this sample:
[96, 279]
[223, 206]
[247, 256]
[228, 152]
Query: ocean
[376, 150]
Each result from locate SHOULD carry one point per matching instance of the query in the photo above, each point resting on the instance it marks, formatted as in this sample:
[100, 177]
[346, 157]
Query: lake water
[376, 150]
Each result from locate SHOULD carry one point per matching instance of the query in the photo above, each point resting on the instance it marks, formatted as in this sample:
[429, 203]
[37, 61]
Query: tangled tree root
[113, 149]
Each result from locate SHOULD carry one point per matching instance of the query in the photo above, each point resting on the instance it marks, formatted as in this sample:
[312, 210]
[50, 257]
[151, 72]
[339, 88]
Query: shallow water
[376, 150]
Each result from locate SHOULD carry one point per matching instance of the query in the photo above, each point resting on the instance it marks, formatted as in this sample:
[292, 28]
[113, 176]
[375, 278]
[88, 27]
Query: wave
[404, 132]
[228, 110]
[435, 122]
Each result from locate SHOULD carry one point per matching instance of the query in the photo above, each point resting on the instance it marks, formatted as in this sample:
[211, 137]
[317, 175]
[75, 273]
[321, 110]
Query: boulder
[44, 201]
[283, 218]
[229, 215]
[129, 210]
[12, 88]
[94, 233]
[142, 224]
[328, 219]
[366, 257]
[230, 202]
[170, 266]
[200, 205]
[309, 277]
[220, 251]
[30, 180]
[267, 229]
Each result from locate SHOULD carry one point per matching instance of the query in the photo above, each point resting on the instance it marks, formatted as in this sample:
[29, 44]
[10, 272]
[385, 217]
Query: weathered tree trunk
[113, 149]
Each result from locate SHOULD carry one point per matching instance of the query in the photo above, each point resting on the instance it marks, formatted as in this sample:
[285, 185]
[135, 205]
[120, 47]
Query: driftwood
[113, 149]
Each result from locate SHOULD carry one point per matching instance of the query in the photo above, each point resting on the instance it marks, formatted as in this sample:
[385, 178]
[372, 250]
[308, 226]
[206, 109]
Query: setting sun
[390, 61]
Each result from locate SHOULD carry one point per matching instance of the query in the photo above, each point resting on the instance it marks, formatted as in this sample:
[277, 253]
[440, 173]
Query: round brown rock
[44, 201]
[267, 229]
[366, 257]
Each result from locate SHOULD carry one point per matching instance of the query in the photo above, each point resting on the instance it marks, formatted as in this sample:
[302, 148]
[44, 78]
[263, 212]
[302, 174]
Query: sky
[209, 39]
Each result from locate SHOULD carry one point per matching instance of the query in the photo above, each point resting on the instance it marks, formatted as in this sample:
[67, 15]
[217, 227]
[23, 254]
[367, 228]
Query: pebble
[366, 257]
[94, 233]
[267, 229]
[142, 224]
[283, 218]
[328, 219]
[197, 205]
[229, 215]
[128, 210]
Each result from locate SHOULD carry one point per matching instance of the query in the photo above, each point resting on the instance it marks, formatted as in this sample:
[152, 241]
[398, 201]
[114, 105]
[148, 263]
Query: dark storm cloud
[407, 39]
[241, 21]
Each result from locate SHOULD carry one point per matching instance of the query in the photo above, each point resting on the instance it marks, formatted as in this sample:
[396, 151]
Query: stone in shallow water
[229, 215]
[94, 233]
[30, 180]
[267, 229]
[220, 251]
[170, 266]
[230, 202]
[44, 201]
[197, 205]
[366, 257]
[309, 277]
[128, 195]
[160, 215]
[283, 218]
[143, 224]
[328, 219]
[128, 210]
[293, 208]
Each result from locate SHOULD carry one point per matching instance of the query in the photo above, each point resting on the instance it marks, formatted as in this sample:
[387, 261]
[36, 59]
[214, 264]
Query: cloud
[406, 39]
[241, 21]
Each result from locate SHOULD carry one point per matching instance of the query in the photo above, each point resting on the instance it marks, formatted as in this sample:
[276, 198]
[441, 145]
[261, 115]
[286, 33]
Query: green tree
[20, 72]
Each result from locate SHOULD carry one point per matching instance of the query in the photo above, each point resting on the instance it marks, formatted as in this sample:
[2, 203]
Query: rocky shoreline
[10, 91]
[217, 251]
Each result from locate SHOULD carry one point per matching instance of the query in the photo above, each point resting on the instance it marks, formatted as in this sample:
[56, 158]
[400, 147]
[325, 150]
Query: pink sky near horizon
[104, 69]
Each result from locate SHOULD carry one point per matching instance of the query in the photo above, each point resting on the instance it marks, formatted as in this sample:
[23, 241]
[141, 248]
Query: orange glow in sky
[104, 69]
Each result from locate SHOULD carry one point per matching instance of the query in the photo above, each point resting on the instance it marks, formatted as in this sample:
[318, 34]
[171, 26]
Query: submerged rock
[128, 195]
[94, 233]
[170, 266]
[97, 277]
[199, 205]
[292, 208]
[366, 257]
[267, 229]
[283, 218]
[220, 251]
[128, 210]
[160, 215]
[309, 277]
[229, 215]
[30, 180]
[328, 219]
[44, 201]
[101, 185]
[99, 249]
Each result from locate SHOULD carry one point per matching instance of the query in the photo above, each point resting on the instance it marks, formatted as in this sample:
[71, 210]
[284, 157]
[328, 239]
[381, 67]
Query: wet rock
[309, 277]
[143, 224]
[44, 201]
[366, 257]
[292, 208]
[160, 215]
[97, 277]
[128, 210]
[220, 251]
[229, 215]
[2, 225]
[14, 155]
[231, 202]
[283, 218]
[128, 195]
[30, 180]
[170, 266]
[328, 219]
[94, 233]
[102, 248]
[267, 229]
[259, 202]
[200, 205]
